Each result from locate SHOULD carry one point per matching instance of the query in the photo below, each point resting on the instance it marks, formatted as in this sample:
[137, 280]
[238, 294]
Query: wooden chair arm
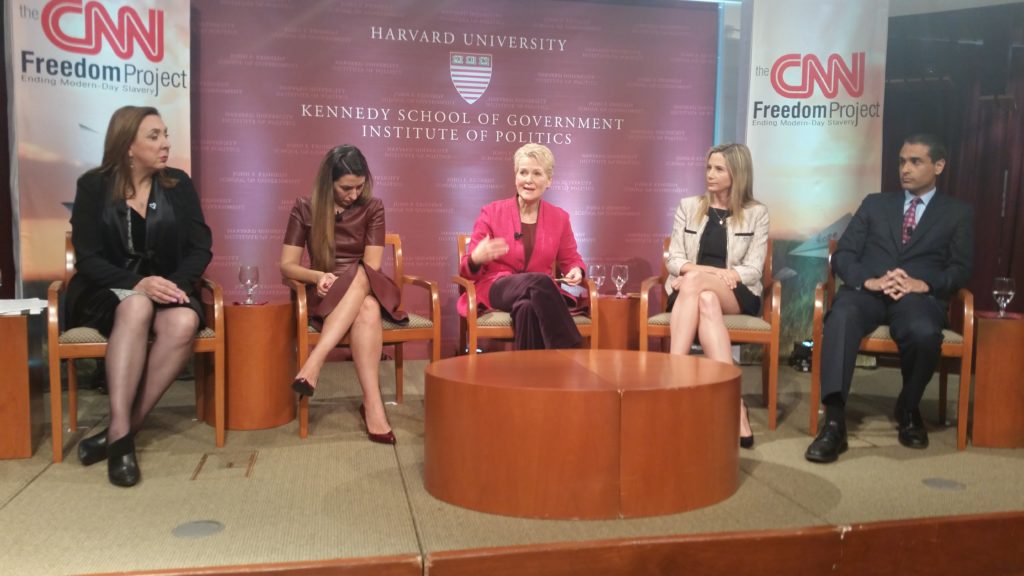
[645, 290]
[298, 295]
[820, 305]
[469, 288]
[965, 299]
[431, 287]
[594, 312]
[217, 301]
[772, 308]
[53, 309]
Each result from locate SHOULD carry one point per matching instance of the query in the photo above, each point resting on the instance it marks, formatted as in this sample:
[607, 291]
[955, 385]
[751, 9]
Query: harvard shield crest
[471, 74]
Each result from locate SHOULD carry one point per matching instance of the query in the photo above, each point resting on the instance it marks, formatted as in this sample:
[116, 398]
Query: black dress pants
[915, 323]
[540, 316]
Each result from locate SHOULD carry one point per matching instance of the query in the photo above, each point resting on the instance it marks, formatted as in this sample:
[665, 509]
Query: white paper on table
[22, 306]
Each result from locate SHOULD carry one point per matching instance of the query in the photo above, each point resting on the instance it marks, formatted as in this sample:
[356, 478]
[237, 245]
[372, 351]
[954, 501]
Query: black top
[176, 241]
[713, 242]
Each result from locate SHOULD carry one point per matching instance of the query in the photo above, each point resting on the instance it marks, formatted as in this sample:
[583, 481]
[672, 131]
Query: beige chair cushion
[948, 336]
[732, 322]
[92, 336]
[497, 318]
[415, 321]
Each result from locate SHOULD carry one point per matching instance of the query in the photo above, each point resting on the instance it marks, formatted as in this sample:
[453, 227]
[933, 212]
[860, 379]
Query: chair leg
[943, 389]
[765, 367]
[56, 410]
[399, 373]
[72, 396]
[815, 401]
[963, 403]
[219, 400]
[773, 386]
[199, 369]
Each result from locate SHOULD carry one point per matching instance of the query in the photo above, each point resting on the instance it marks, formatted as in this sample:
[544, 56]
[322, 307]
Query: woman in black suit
[141, 245]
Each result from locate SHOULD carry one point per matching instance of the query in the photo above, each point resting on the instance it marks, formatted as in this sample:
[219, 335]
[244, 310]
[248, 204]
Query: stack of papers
[23, 306]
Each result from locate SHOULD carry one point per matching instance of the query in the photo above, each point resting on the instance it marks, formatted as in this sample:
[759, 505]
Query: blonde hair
[538, 152]
[741, 172]
[339, 161]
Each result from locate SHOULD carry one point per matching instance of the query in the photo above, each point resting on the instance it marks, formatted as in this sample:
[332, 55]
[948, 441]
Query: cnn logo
[121, 35]
[828, 79]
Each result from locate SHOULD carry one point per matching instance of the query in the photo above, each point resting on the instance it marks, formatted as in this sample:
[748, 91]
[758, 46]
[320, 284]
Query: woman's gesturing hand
[488, 249]
[161, 290]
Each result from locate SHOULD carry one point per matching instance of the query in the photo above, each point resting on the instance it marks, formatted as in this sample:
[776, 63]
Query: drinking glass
[620, 275]
[249, 278]
[597, 274]
[1003, 291]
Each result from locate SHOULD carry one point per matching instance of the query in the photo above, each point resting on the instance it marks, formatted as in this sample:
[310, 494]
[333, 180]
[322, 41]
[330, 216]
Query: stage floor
[336, 503]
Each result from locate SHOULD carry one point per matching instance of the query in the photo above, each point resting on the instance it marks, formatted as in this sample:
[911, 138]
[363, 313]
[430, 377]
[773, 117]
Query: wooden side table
[619, 327]
[21, 410]
[998, 393]
[581, 433]
[260, 350]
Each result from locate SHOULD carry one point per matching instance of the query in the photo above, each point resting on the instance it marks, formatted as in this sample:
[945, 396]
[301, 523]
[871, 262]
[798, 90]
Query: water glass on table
[597, 274]
[620, 275]
[1003, 292]
[249, 278]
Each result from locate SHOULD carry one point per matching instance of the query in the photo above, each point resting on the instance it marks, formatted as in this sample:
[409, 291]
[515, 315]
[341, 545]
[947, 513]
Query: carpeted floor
[269, 497]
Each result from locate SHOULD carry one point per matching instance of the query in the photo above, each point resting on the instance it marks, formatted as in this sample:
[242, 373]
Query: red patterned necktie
[909, 219]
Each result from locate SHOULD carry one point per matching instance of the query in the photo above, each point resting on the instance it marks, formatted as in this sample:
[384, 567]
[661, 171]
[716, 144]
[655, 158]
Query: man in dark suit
[901, 258]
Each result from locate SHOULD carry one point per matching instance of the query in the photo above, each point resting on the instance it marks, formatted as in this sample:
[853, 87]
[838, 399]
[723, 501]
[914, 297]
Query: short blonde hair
[538, 152]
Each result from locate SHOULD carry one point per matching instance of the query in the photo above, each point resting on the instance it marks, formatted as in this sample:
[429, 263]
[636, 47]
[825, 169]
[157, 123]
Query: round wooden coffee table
[581, 433]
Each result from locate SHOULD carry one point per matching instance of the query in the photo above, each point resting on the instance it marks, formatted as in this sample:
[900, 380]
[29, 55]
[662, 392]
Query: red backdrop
[623, 94]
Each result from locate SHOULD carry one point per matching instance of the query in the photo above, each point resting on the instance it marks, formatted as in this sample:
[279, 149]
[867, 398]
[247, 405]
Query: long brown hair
[741, 171]
[339, 161]
[121, 133]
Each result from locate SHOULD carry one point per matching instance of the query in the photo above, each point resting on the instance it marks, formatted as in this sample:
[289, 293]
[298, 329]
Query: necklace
[720, 216]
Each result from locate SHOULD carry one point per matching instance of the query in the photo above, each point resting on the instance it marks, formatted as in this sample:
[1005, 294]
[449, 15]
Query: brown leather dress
[359, 227]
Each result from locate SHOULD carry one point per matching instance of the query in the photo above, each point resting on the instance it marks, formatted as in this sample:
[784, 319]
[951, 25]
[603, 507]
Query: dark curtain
[959, 76]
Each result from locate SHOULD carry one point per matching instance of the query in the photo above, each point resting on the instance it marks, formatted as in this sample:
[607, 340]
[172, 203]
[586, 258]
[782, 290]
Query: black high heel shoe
[93, 449]
[385, 438]
[122, 467]
[302, 387]
[747, 441]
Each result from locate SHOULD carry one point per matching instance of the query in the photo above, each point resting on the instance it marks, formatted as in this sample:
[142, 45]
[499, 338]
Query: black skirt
[749, 303]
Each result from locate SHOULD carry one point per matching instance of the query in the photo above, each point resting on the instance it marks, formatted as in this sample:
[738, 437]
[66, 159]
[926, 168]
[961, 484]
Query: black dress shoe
[122, 467]
[912, 432]
[93, 449]
[829, 444]
[302, 387]
[747, 441]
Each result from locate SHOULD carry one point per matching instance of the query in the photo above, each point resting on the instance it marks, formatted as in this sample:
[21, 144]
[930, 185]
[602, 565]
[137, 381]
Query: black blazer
[178, 241]
[940, 250]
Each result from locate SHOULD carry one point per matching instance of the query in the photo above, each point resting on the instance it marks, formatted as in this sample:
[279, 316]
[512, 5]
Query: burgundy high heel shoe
[302, 387]
[385, 438]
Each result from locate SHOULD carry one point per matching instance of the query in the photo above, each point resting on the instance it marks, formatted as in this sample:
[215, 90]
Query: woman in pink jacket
[515, 241]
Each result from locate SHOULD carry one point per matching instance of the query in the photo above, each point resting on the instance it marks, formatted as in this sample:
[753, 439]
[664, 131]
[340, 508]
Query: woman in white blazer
[716, 255]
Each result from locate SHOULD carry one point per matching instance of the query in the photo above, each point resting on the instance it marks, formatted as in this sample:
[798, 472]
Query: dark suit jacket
[178, 241]
[940, 250]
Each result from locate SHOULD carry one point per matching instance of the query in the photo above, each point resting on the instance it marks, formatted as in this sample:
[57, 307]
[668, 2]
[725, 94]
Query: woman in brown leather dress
[342, 226]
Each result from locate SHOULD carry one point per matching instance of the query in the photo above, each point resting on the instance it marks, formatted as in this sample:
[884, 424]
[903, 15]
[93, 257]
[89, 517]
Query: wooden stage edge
[986, 544]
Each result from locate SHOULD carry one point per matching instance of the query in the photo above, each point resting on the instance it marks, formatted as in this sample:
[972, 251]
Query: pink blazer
[554, 243]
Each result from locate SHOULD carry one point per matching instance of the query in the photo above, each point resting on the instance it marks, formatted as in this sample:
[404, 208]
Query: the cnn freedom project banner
[71, 64]
[814, 128]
